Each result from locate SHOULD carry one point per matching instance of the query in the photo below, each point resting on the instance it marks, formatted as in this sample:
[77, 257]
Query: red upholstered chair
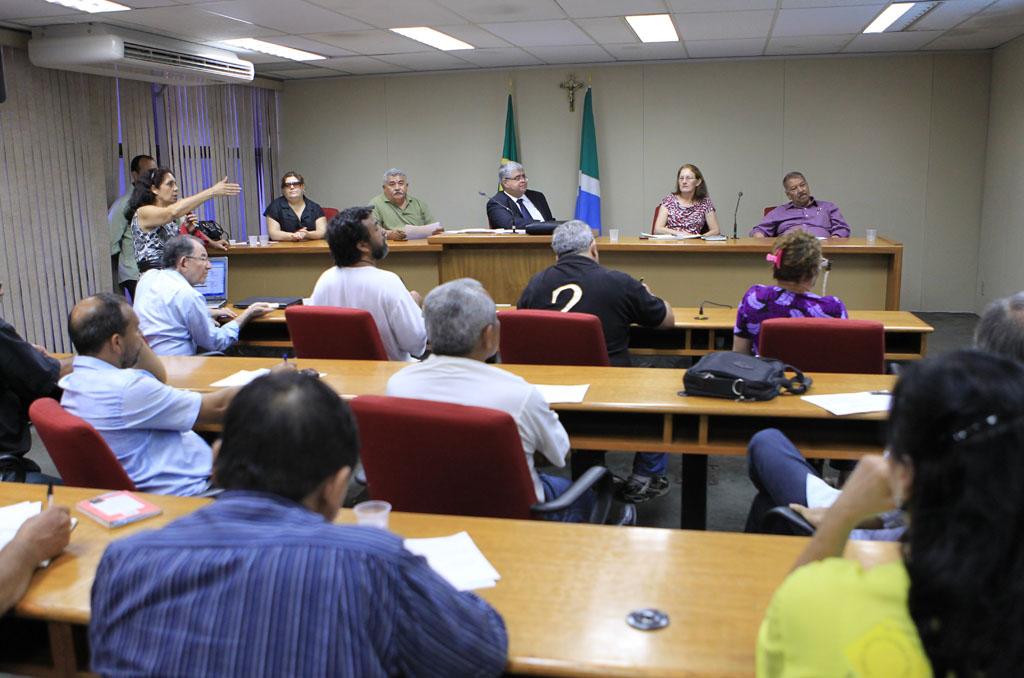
[531, 337]
[825, 344]
[330, 332]
[768, 209]
[458, 460]
[330, 213]
[82, 457]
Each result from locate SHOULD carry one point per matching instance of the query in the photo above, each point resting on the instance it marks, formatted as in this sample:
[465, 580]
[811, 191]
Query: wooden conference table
[906, 335]
[564, 593]
[683, 272]
[628, 409]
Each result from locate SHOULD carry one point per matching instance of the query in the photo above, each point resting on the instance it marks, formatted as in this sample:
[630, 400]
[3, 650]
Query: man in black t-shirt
[578, 283]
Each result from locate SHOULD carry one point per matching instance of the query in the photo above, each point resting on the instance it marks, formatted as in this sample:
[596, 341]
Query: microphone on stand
[503, 206]
[734, 215]
[700, 311]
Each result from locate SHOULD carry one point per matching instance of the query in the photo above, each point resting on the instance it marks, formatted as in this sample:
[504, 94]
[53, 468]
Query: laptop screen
[216, 285]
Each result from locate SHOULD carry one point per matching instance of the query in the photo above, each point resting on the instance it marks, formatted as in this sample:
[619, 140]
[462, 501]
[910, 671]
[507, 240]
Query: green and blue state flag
[588, 199]
[510, 151]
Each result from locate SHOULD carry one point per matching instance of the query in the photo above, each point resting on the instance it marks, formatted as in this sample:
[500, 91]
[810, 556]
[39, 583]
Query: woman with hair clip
[155, 212]
[950, 602]
[796, 261]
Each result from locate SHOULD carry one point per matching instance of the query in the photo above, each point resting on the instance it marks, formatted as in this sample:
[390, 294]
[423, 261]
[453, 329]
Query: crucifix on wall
[571, 85]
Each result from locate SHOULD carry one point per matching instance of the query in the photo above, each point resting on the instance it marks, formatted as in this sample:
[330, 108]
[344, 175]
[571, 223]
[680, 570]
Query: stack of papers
[841, 404]
[668, 236]
[240, 378]
[479, 230]
[557, 393]
[420, 232]
[12, 517]
[457, 559]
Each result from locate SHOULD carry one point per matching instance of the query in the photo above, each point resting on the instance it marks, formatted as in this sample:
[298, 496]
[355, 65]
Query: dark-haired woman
[155, 211]
[688, 209]
[293, 216]
[950, 601]
[796, 261]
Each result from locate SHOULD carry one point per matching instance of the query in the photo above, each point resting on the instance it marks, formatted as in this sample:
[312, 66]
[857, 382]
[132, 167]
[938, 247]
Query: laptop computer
[215, 289]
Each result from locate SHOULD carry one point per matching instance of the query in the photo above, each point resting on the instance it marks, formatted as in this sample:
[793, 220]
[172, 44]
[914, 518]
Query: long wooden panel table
[564, 592]
[906, 335]
[629, 409]
[683, 272]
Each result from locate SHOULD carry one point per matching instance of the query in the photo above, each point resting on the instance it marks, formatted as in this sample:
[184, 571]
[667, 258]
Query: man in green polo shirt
[395, 208]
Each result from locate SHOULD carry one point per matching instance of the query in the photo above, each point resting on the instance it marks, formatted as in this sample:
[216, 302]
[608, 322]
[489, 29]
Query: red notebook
[115, 509]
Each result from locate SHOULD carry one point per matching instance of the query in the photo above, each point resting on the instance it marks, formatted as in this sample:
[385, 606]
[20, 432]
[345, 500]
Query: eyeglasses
[292, 184]
[521, 177]
[202, 258]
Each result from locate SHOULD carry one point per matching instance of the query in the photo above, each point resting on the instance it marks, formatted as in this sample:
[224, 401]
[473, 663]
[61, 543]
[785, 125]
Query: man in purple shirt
[817, 217]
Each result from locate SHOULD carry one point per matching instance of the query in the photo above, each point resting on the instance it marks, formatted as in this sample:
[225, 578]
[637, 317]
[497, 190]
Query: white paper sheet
[240, 378]
[478, 230]
[557, 393]
[421, 232]
[841, 404]
[668, 236]
[457, 559]
[12, 517]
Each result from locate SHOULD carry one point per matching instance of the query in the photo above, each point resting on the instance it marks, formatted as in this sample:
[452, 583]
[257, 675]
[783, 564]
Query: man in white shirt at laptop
[173, 315]
[357, 244]
[464, 331]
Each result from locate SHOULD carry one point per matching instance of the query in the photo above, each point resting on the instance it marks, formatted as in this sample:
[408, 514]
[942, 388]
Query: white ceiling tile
[362, 65]
[813, 44]
[719, 5]
[535, 33]
[192, 23]
[578, 9]
[578, 54]
[797, 4]
[724, 25]
[946, 15]
[1000, 15]
[474, 35]
[824, 21]
[393, 13]
[294, 17]
[315, 46]
[29, 9]
[647, 52]
[433, 60]
[277, 66]
[892, 42]
[370, 42]
[509, 10]
[305, 72]
[608, 30]
[81, 18]
[979, 39]
[498, 57]
[710, 49]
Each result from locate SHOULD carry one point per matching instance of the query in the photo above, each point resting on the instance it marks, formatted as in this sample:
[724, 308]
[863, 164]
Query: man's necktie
[523, 210]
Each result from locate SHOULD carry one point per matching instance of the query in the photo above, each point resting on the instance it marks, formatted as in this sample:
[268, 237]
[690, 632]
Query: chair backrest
[330, 332]
[530, 337]
[82, 457]
[825, 344]
[330, 213]
[443, 458]
[768, 209]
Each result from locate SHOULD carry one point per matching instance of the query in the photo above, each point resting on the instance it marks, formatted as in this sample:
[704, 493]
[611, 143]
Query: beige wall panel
[334, 133]
[726, 118]
[1001, 270]
[956, 160]
[859, 130]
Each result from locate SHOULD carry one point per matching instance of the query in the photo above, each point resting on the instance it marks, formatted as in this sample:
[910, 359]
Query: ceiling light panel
[889, 16]
[653, 27]
[91, 6]
[429, 36]
[273, 49]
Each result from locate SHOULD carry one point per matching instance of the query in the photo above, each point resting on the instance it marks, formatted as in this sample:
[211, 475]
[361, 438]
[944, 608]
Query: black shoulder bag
[726, 374]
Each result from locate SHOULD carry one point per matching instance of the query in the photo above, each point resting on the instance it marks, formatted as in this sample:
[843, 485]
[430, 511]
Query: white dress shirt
[174, 318]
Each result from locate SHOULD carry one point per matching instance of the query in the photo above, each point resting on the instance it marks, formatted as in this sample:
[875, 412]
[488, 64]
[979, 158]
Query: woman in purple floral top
[796, 260]
[688, 209]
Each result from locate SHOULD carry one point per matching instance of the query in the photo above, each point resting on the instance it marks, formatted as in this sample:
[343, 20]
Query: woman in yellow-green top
[953, 604]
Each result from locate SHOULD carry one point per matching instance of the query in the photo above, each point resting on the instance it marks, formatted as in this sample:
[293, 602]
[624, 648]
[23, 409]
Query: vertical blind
[52, 196]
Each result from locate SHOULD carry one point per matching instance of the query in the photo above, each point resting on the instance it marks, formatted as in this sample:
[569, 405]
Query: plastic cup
[373, 513]
[613, 235]
[254, 240]
[871, 235]
[264, 240]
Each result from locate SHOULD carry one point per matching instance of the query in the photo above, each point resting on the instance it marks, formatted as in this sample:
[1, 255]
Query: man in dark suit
[514, 205]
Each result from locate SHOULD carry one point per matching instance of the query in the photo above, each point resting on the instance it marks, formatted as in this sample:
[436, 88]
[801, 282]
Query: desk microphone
[735, 214]
[503, 206]
[700, 311]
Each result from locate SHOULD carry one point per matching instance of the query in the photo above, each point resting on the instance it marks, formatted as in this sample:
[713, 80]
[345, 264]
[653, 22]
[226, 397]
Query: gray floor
[729, 490]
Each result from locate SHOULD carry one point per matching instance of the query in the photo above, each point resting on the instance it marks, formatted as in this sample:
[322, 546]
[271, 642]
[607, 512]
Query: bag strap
[797, 384]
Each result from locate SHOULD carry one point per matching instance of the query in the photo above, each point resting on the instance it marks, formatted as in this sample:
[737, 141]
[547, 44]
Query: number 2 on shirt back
[575, 297]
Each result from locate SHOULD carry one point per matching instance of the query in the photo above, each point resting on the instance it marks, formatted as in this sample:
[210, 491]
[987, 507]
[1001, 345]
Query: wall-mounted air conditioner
[123, 53]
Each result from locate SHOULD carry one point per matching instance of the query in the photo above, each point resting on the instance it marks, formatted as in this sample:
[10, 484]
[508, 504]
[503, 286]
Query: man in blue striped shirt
[261, 583]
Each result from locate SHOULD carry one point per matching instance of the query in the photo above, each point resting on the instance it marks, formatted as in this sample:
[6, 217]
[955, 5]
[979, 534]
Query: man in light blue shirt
[173, 314]
[117, 385]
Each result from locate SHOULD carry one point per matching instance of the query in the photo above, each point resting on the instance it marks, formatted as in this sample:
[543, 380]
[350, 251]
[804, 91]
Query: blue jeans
[577, 512]
[778, 471]
[648, 464]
